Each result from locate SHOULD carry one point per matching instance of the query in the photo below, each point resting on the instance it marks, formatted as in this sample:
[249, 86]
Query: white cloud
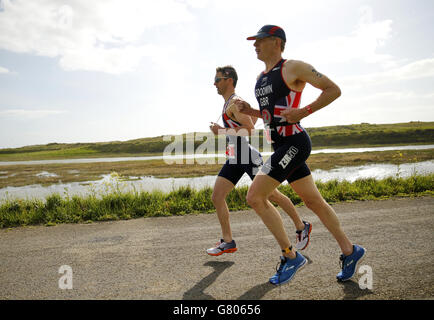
[29, 114]
[415, 70]
[4, 70]
[174, 47]
[361, 44]
[109, 60]
[87, 35]
[379, 107]
[402, 97]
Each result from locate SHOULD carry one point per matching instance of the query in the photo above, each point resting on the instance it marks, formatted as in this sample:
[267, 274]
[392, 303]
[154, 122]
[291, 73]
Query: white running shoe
[222, 247]
[303, 236]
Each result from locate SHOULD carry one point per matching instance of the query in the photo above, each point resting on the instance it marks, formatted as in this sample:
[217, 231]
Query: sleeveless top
[235, 145]
[274, 96]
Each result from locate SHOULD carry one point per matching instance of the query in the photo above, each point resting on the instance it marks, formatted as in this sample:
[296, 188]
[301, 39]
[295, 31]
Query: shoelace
[299, 235]
[279, 270]
[220, 245]
[342, 261]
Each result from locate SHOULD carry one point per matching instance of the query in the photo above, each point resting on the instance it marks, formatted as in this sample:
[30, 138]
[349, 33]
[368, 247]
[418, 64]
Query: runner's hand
[215, 127]
[293, 115]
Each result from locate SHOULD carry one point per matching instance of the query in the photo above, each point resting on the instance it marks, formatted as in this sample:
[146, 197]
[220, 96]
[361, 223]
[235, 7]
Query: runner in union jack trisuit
[241, 158]
[278, 91]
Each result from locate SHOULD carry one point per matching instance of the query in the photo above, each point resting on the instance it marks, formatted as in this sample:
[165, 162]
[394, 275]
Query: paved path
[164, 258]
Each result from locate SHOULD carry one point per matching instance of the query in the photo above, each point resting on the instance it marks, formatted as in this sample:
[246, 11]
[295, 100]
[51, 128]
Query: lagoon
[207, 155]
[112, 183]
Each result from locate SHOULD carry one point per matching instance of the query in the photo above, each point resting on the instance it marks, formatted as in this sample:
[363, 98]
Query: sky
[114, 70]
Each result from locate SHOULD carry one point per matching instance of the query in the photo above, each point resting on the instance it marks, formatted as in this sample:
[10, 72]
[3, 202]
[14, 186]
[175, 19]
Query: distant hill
[356, 135]
[366, 134]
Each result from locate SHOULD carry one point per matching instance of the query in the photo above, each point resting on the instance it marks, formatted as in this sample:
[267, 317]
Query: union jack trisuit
[290, 141]
[292, 147]
[274, 96]
[241, 156]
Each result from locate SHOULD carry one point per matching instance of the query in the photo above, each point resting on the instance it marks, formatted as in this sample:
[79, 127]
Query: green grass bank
[117, 205]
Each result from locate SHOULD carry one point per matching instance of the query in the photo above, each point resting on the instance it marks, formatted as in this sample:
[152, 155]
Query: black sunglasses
[217, 79]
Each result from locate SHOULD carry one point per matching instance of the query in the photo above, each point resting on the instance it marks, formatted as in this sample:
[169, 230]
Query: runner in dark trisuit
[278, 91]
[241, 158]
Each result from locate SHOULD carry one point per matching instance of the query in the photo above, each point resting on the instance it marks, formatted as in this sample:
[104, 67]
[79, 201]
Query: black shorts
[288, 162]
[234, 170]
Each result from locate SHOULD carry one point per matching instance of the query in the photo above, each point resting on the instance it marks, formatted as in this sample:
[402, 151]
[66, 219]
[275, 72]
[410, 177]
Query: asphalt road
[164, 258]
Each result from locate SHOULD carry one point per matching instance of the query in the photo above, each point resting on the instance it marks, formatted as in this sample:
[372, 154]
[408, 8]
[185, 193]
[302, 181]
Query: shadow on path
[255, 293]
[353, 291]
[197, 292]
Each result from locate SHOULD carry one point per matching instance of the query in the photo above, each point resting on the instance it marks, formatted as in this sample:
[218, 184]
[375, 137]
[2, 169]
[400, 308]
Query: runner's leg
[222, 188]
[309, 193]
[257, 197]
[286, 204]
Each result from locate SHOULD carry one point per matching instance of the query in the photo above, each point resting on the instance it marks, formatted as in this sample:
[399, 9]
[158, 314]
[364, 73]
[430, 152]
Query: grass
[117, 205]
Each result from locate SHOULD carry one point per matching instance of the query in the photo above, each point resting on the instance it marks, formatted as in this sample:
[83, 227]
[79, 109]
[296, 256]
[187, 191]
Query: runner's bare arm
[246, 121]
[247, 125]
[296, 74]
[244, 107]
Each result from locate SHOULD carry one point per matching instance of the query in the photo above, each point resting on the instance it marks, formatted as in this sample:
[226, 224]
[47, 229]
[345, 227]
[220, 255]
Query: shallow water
[208, 155]
[110, 183]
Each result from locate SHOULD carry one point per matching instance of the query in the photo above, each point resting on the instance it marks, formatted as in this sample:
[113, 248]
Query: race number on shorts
[230, 151]
[268, 135]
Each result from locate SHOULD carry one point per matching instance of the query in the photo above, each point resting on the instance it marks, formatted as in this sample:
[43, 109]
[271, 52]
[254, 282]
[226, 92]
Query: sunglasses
[217, 79]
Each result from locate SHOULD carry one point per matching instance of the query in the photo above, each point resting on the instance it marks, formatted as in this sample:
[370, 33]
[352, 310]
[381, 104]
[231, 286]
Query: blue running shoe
[287, 269]
[349, 263]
